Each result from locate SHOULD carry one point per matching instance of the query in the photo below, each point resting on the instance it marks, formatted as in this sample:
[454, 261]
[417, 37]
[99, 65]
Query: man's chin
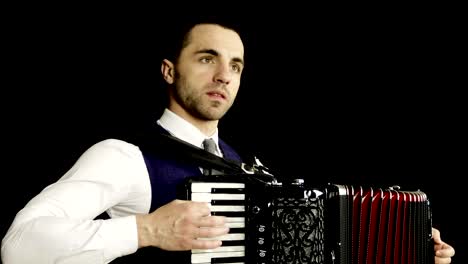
[213, 115]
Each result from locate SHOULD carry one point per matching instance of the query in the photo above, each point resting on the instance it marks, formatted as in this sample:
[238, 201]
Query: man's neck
[207, 127]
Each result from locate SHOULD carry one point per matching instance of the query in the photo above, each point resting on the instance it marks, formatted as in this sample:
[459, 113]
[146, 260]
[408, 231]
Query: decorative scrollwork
[298, 231]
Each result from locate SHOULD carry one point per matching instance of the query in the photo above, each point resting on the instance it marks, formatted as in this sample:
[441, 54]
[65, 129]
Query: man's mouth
[215, 94]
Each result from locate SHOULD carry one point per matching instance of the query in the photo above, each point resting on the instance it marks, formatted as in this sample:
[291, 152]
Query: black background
[346, 95]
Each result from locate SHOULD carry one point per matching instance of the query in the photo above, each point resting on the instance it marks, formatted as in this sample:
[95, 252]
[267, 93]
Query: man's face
[208, 72]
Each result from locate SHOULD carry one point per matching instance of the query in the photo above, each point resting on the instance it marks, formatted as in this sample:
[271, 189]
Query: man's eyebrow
[215, 53]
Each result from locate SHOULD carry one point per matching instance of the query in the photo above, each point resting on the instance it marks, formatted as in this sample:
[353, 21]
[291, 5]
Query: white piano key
[227, 208]
[235, 219]
[219, 249]
[207, 186]
[227, 237]
[206, 257]
[235, 224]
[208, 197]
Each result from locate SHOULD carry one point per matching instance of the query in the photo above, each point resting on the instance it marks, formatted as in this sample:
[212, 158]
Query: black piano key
[229, 214]
[227, 202]
[236, 230]
[227, 190]
[229, 243]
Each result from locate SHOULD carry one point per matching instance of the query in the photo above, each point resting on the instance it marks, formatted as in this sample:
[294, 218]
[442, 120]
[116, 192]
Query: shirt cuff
[122, 235]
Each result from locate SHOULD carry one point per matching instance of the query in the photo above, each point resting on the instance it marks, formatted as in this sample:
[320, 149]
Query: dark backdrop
[360, 98]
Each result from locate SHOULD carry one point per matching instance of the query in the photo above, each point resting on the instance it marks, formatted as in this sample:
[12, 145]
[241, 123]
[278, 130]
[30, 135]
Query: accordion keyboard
[225, 199]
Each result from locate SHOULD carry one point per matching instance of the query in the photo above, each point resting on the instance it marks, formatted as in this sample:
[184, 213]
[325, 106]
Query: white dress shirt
[57, 225]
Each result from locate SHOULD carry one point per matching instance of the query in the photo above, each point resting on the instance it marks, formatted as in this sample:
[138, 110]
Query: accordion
[286, 223]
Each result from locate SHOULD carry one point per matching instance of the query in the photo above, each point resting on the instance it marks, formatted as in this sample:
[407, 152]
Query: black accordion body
[286, 223]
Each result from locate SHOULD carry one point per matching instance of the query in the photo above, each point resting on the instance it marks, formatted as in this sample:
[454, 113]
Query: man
[135, 187]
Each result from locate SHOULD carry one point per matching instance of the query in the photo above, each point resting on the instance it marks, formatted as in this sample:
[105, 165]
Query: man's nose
[223, 74]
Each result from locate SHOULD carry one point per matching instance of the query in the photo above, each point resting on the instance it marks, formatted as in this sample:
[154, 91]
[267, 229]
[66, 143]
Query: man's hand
[443, 251]
[178, 225]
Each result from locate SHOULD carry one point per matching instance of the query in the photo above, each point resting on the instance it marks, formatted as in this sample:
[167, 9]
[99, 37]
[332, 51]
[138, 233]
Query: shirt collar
[182, 129]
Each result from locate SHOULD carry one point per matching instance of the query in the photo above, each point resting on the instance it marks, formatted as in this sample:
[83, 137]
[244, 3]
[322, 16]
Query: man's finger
[212, 232]
[211, 221]
[205, 244]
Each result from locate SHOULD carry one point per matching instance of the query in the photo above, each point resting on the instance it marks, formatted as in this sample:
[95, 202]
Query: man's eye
[206, 60]
[236, 68]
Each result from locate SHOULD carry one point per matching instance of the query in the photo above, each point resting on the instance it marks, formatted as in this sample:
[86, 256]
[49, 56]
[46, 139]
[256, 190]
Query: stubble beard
[197, 104]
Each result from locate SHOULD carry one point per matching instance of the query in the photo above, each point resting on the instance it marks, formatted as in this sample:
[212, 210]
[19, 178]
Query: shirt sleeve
[58, 226]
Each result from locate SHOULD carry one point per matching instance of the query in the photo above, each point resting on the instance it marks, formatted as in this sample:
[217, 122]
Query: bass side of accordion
[378, 225]
[294, 222]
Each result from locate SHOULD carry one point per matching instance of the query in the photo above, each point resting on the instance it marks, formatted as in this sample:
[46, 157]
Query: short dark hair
[176, 36]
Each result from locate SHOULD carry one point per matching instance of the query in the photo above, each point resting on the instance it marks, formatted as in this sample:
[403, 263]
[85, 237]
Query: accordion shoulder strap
[175, 148]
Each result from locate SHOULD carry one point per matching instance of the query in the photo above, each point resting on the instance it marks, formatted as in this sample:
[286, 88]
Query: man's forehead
[217, 38]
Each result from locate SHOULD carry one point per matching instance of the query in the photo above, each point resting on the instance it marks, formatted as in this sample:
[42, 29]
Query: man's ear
[168, 71]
